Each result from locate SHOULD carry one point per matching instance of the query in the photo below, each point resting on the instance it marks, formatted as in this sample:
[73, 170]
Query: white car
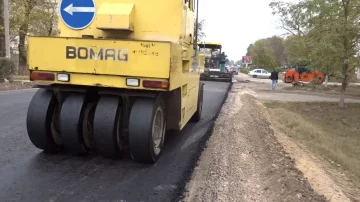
[259, 73]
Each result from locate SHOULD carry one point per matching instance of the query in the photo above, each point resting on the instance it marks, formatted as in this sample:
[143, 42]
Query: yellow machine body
[147, 40]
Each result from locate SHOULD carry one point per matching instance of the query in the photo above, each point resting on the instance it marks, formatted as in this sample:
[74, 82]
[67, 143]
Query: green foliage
[248, 53]
[278, 69]
[31, 17]
[264, 54]
[296, 50]
[7, 69]
[38, 15]
[325, 34]
[244, 70]
[200, 31]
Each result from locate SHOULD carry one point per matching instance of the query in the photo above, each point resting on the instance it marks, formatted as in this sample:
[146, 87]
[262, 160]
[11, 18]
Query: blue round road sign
[77, 14]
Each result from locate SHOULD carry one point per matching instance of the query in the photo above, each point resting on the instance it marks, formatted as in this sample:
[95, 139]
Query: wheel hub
[158, 129]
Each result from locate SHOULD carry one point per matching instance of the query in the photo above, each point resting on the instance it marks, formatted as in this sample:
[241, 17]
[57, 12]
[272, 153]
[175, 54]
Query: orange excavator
[302, 74]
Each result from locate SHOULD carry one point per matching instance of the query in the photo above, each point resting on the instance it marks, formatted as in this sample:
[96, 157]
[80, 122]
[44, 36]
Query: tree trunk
[2, 31]
[344, 85]
[342, 98]
[2, 42]
[51, 25]
[23, 31]
[347, 48]
[22, 50]
[50, 31]
[326, 80]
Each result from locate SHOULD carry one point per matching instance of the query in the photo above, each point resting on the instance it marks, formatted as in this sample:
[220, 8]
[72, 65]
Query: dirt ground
[286, 93]
[16, 85]
[328, 134]
[248, 159]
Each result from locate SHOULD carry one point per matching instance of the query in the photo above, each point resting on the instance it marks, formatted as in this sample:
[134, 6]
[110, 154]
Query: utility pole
[7, 29]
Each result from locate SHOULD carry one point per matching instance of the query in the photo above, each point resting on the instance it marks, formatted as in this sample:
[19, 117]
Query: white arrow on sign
[71, 9]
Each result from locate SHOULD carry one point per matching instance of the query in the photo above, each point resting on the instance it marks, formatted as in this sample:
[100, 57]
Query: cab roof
[211, 45]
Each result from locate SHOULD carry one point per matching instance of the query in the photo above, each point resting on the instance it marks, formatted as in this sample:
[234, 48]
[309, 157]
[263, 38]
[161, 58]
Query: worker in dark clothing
[274, 78]
[222, 62]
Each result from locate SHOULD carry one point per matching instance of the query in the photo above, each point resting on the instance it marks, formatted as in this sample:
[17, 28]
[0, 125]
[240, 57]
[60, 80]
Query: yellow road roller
[116, 78]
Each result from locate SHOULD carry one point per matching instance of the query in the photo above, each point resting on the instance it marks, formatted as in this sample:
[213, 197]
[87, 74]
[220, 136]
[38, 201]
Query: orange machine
[301, 74]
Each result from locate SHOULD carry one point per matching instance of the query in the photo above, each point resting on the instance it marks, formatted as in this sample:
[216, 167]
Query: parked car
[259, 73]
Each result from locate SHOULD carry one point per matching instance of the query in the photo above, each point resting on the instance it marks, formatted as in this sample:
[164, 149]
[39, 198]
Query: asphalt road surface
[26, 174]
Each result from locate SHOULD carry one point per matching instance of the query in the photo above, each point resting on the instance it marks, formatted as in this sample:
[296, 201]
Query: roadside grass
[244, 70]
[350, 90]
[325, 129]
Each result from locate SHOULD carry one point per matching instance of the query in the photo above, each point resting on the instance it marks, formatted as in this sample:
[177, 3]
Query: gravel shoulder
[244, 161]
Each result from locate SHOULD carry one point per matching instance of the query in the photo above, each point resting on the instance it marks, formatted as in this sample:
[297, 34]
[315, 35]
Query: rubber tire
[290, 79]
[140, 129]
[254, 76]
[108, 113]
[197, 116]
[71, 121]
[38, 121]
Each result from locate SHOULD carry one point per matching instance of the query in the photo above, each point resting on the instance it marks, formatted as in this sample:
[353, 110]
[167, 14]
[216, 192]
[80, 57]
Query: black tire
[41, 112]
[87, 126]
[254, 76]
[108, 128]
[290, 79]
[197, 116]
[71, 123]
[141, 120]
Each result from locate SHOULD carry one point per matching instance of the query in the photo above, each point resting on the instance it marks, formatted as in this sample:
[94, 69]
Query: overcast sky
[237, 23]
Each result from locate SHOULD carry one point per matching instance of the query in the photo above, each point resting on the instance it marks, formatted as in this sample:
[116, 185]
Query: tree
[248, 52]
[200, 31]
[326, 33]
[263, 55]
[24, 7]
[29, 17]
[44, 18]
[277, 46]
[296, 49]
[268, 53]
[291, 15]
[230, 63]
[2, 31]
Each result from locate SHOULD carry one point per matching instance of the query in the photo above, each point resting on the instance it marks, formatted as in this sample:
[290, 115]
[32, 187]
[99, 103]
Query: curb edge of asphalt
[201, 146]
[18, 90]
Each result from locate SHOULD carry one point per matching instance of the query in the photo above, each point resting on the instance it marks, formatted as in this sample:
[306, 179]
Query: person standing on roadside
[274, 78]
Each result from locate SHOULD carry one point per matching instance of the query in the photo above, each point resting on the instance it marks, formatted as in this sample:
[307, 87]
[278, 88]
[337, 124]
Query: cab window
[189, 4]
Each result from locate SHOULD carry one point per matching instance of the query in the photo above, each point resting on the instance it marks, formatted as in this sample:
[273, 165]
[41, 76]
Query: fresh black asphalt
[26, 174]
